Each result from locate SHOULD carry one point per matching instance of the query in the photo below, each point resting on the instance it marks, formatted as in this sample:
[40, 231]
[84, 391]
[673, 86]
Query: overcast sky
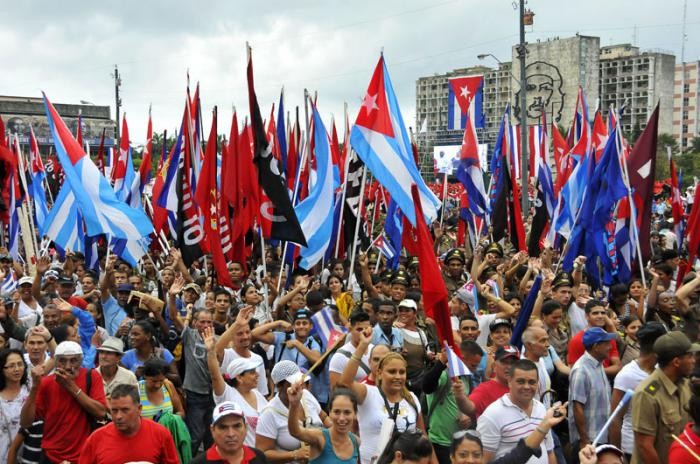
[69, 48]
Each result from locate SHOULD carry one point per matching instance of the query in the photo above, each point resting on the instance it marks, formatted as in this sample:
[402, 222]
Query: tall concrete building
[637, 80]
[686, 103]
[21, 112]
[555, 68]
[432, 107]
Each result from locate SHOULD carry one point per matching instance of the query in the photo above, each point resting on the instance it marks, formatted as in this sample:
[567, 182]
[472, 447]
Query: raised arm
[312, 436]
[179, 264]
[265, 333]
[347, 378]
[366, 277]
[42, 266]
[173, 291]
[242, 320]
[217, 380]
[683, 293]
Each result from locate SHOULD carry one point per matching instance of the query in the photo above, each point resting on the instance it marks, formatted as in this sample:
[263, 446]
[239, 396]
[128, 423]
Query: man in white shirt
[516, 415]
[359, 323]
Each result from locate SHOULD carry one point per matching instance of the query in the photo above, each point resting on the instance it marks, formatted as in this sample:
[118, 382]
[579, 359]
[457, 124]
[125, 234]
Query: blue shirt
[293, 354]
[132, 362]
[85, 332]
[589, 386]
[395, 340]
[113, 315]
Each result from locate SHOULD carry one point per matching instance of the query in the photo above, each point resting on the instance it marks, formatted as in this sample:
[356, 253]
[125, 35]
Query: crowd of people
[161, 364]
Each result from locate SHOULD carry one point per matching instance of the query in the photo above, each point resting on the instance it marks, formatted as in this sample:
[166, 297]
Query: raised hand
[43, 332]
[294, 393]
[244, 316]
[209, 338]
[43, 264]
[177, 285]
[62, 305]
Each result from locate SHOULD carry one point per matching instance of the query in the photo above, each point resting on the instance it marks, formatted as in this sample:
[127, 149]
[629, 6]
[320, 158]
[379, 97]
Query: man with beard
[67, 401]
[129, 438]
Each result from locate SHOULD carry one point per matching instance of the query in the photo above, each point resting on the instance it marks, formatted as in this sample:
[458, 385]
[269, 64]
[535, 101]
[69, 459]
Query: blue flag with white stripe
[315, 212]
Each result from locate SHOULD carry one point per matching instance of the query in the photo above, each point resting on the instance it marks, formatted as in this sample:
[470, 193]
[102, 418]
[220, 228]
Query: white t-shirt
[484, 323]
[503, 424]
[372, 413]
[273, 421]
[230, 354]
[628, 378]
[577, 318]
[28, 316]
[252, 415]
[339, 361]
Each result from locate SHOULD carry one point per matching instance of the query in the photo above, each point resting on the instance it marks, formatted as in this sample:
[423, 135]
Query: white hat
[68, 348]
[112, 345]
[227, 408]
[240, 365]
[25, 280]
[285, 370]
[408, 303]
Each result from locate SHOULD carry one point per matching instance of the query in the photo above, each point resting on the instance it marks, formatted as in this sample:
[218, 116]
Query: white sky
[69, 48]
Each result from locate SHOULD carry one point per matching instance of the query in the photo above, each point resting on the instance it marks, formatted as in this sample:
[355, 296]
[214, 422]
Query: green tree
[664, 142]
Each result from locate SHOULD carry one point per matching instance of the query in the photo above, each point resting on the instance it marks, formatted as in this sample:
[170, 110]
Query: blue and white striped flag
[382, 244]
[315, 212]
[325, 328]
[455, 366]
[64, 224]
[9, 283]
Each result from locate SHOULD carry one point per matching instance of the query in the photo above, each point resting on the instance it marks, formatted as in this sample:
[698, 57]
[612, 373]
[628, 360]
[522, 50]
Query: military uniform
[659, 404]
[452, 283]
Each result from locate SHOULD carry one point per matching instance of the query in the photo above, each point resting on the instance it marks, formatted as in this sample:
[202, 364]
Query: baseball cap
[5, 257]
[65, 280]
[500, 321]
[112, 345]
[507, 351]
[285, 370]
[25, 280]
[240, 365]
[596, 335]
[68, 348]
[607, 448]
[194, 287]
[51, 274]
[674, 344]
[227, 408]
[408, 303]
[125, 287]
[302, 313]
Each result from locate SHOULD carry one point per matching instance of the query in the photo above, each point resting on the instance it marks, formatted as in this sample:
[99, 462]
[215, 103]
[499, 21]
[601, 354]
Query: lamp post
[522, 51]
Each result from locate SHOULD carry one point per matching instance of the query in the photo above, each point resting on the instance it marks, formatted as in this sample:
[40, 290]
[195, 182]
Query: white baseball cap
[227, 408]
[68, 348]
[240, 365]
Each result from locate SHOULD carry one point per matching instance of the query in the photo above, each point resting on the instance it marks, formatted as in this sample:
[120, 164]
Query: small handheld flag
[383, 245]
[455, 366]
[325, 328]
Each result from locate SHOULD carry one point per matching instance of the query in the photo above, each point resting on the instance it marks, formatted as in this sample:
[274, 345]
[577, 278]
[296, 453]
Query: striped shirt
[503, 424]
[150, 410]
[589, 386]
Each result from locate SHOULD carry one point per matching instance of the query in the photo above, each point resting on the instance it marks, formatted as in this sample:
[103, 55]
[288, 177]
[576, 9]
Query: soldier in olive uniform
[453, 272]
[659, 402]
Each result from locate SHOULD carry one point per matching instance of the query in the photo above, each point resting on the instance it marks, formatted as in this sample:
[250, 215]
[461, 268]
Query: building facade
[638, 81]
[21, 113]
[686, 111]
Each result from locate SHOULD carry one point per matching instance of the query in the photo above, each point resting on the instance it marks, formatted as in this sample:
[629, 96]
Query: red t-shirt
[576, 350]
[678, 454]
[66, 423]
[77, 302]
[152, 443]
[212, 455]
[486, 393]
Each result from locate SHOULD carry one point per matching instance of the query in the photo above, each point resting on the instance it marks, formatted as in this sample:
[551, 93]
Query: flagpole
[444, 198]
[357, 223]
[264, 265]
[345, 186]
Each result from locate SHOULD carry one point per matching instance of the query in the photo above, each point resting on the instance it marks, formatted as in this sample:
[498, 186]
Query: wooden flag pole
[329, 351]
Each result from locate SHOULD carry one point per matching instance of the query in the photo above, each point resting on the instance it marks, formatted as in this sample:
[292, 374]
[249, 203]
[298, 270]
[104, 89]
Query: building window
[686, 88]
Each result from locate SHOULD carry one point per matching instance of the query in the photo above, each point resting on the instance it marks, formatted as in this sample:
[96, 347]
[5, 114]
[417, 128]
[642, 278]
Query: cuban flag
[102, 211]
[455, 365]
[380, 139]
[9, 283]
[384, 247]
[465, 94]
[325, 328]
[123, 175]
[64, 224]
[315, 212]
[469, 171]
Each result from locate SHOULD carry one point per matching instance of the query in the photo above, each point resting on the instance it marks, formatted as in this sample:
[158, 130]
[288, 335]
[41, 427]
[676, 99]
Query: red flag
[694, 229]
[335, 151]
[432, 286]
[100, 162]
[229, 157]
[119, 167]
[374, 112]
[208, 197]
[676, 205]
[292, 157]
[79, 134]
[560, 152]
[641, 166]
[147, 160]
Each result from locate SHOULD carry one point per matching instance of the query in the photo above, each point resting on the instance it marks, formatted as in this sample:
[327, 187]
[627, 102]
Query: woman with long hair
[145, 346]
[238, 385]
[339, 297]
[14, 389]
[388, 400]
[335, 444]
[158, 394]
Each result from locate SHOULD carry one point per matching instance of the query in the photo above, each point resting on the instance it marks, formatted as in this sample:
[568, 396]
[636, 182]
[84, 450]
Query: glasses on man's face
[62, 360]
